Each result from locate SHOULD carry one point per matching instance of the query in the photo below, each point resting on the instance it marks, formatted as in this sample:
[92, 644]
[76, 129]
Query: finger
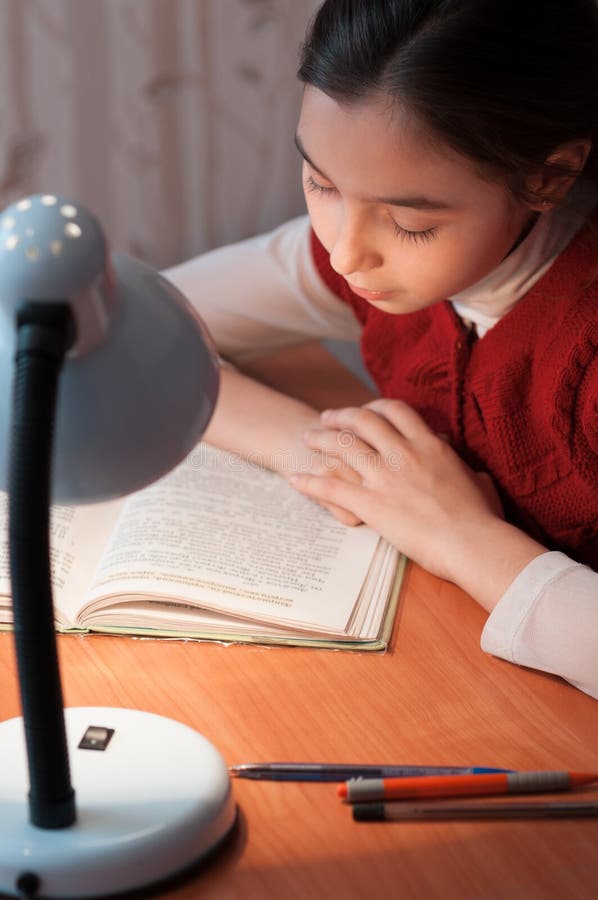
[342, 515]
[371, 427]
[402, 417]
[332, 491]
[334, 467]
[340, 448]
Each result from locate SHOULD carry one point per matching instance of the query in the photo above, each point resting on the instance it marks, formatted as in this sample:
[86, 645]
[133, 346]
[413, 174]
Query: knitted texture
[521, 403]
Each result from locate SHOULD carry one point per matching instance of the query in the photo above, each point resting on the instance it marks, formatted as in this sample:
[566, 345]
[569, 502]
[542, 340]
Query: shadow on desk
[419, 861]
[406, 861]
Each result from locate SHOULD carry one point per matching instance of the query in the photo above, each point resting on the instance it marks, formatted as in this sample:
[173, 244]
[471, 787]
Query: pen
[286, 771]
[446, 809]
[360, 789]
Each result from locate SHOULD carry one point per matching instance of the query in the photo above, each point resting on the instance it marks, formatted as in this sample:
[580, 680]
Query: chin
[401, 305]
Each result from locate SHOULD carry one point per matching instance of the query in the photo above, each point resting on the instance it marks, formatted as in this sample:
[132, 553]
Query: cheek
[323, 217]
[478, 245]
[487, 250]
[498, 227]
[461, 262]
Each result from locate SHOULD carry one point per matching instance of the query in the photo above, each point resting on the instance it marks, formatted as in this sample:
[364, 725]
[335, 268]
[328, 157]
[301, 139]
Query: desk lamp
[115, 379]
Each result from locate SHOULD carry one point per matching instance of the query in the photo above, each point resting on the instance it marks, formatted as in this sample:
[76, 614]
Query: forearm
[259, 423]
[263, 412]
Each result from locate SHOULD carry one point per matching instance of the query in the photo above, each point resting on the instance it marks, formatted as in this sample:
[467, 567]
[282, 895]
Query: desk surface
[433, 698]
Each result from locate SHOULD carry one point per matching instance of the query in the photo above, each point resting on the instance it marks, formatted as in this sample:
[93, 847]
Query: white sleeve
[264, 293]
[548, 619]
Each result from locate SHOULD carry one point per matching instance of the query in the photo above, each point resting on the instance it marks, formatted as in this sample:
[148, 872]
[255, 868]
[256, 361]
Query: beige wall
[171, 119]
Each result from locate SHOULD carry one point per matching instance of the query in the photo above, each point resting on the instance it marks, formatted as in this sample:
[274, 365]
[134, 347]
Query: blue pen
[278, 771]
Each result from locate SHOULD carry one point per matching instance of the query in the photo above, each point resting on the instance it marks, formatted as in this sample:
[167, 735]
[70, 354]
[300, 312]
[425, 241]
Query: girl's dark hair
[504, 82]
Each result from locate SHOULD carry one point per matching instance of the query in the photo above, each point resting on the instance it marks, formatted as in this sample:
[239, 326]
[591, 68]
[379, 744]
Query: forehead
[374, 147]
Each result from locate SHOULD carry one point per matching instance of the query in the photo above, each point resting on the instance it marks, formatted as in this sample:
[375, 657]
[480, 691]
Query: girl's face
[407, 221]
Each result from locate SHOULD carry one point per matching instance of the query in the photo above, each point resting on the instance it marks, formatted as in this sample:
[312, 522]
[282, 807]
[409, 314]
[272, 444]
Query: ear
[549, 186]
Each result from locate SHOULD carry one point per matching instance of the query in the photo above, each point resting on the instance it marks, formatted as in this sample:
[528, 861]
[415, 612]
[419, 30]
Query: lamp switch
[96, 738]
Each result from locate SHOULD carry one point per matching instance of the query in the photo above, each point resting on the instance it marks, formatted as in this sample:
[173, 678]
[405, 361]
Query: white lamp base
[150, 805]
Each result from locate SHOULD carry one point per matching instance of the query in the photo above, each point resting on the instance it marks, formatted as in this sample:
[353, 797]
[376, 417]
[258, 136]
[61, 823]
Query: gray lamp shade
[141, 381]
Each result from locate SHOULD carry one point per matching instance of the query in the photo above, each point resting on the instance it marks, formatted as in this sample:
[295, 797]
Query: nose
[354, 249]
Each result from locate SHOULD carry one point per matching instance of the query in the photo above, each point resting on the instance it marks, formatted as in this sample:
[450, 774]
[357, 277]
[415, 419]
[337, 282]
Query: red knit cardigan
[521, 403]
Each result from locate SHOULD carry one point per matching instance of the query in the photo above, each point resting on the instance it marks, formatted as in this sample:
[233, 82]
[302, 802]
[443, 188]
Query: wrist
[297, 458]
[487, 557]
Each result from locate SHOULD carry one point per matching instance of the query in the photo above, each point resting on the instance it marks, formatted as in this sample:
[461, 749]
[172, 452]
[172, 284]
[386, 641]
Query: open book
[218, 549]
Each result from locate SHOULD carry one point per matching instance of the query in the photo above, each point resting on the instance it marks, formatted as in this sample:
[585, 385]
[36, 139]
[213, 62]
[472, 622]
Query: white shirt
[265, 293]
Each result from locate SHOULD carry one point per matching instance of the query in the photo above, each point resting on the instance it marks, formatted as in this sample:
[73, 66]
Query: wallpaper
[172, 120]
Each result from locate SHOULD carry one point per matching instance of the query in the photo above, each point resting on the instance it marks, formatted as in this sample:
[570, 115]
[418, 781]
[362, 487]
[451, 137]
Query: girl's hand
[413, 488]
[332, 466]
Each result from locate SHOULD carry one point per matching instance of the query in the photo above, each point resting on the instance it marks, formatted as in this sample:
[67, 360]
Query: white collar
[487, 301]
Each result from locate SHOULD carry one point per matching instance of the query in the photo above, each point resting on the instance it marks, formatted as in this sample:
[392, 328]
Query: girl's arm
[264, 294]
[256, 297]
[261, 424]
[266, 427]
[548, 619]
[418, 494]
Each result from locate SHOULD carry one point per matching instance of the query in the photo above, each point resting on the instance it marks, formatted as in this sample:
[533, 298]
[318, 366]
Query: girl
[449, 169]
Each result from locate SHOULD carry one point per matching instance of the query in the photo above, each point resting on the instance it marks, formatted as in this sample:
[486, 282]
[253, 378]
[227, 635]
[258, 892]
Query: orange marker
[357, 790]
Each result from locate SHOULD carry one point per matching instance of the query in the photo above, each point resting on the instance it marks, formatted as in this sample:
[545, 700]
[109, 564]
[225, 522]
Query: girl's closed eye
[406, 234]
[312, 185]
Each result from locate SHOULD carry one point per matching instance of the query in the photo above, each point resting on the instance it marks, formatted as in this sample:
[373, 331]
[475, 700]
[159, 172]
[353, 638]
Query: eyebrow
[415, 202]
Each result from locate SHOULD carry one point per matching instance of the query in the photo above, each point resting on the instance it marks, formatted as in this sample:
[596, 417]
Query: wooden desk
[433, 698]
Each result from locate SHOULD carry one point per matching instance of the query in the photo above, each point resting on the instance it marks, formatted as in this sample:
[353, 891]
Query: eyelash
[417, 237]
[313, 186]
[404, 234]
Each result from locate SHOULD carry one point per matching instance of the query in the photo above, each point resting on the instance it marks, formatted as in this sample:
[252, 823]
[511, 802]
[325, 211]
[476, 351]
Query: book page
[230, 537]
[135, 615]
[78, 535]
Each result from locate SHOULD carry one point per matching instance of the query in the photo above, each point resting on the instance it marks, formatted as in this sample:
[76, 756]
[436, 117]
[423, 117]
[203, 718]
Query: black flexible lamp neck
[45, 331]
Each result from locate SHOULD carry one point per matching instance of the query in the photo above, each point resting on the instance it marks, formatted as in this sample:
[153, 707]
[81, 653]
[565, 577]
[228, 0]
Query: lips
[372, 296]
